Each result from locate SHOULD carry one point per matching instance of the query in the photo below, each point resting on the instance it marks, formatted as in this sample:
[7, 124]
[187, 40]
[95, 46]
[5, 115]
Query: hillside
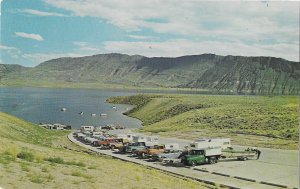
[32, 157]
[232, 74]
[271, 122]
[6, 69]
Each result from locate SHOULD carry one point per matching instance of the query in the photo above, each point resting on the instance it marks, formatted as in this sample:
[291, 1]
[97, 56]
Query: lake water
[44, 105]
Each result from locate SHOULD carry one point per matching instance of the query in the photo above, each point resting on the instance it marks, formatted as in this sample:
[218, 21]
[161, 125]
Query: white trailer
[129, 137]
[217, 151]
[142, 138]
[172, 146]
[205, 145]
[87, 128]
[148, 140]
[224, 142]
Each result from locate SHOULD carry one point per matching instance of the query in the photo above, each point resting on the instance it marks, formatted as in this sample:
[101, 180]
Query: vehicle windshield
[134, 144]
[197, 152]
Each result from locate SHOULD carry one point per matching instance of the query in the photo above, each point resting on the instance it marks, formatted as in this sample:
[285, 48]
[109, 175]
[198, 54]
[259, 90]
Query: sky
[33, 31]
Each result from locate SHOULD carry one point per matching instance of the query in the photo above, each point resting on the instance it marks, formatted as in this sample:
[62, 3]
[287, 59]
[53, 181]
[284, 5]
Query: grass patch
[28, 156]
[60, 160]
[80, 174]
[24, 167]
[36, 178]
[6, 159]
[44, 169]
[40, 178]
[57, 160]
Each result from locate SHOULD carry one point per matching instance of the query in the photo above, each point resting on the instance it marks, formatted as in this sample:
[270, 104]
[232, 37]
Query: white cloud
[141, 37]
[181, 47]
[189, 18]
[13, 52]
[245, 22]
[0, 13]
[3, 47]
[41, 13]
[84, 46]
[30, 36]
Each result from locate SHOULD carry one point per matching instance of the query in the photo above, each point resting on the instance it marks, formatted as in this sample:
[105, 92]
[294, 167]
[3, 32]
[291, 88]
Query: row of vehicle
[200, 151]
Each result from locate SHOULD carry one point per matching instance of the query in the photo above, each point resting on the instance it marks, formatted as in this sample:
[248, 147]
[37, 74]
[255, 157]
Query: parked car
[105, 143]
[130, 148]
[118, 143]
[167, 156]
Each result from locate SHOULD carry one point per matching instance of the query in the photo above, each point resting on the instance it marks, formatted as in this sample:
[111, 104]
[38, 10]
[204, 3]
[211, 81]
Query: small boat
[114, 107]
[63, 109]
[81, 113]
[93, 114]
[103, 114]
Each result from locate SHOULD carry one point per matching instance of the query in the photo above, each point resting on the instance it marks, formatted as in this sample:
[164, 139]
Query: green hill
[16, 129]
[271, 122]
[232, 74]
[33, 157]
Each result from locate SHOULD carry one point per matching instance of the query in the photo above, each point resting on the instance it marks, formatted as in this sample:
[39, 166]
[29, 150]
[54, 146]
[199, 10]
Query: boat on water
[80, 113]
[93, 114]
[103, 114]
[63, 109]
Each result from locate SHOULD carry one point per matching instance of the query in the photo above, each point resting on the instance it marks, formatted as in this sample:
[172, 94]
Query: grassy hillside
[230, 74]
[248, 120]
[20, 130]
[32, 157]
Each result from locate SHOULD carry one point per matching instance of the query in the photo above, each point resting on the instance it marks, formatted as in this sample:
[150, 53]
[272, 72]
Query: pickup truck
[202, 156]
[97, 142]
[148, 152]
[212, 155]
[156, 149]
[130, 148]
[118, 143]
[168, 155]
[105, 143]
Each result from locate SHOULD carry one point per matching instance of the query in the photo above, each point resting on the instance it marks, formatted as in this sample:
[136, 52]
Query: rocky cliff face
[235, 74]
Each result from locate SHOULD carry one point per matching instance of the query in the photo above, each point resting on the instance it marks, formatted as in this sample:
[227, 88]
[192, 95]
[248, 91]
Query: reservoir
[75, 107]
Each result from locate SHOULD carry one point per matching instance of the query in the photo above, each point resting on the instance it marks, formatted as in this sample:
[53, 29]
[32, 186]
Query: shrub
[28, 156]
[58, 160]
[39, 158]
[80, 164]
[36, 179]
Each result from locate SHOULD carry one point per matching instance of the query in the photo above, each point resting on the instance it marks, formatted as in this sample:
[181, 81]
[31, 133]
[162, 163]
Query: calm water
[44, 105]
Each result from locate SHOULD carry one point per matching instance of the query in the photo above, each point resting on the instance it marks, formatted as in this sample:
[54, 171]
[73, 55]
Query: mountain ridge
[235, 74]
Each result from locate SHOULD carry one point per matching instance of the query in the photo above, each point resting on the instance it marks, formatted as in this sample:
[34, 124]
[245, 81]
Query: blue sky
[33, 31]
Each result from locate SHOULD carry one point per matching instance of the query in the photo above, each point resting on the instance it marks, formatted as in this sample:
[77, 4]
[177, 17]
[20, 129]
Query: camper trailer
[87, 128]
[129, 137]
[223, 142]
[149, 140]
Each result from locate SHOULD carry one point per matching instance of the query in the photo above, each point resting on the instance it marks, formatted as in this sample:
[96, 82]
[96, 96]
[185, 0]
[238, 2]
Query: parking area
[235, 174]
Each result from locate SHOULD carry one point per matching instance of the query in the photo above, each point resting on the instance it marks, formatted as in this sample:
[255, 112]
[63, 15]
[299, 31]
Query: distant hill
[235, 74]
[6, 69]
